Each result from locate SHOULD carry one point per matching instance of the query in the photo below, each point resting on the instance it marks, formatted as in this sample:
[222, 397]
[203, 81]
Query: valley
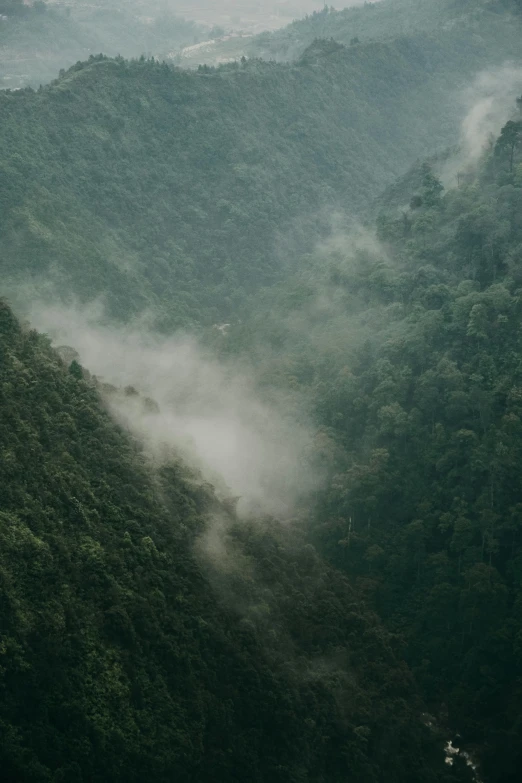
[261, 395]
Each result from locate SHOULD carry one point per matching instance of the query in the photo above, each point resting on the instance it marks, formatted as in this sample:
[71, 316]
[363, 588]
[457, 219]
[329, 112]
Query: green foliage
[412, 357]
[509, 142]
[37, 40]
[126, 656]
[444, 21]
[128, 651]
[107, 189]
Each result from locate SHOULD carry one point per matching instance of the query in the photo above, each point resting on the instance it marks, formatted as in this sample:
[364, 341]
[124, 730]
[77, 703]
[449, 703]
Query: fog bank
[210, 412]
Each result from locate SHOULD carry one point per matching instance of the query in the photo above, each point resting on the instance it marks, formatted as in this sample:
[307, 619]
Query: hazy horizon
[35, 46]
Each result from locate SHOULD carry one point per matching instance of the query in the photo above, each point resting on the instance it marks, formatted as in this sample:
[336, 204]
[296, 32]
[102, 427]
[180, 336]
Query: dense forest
[344, 230]
[103, 167]
[412, 357]
[38, 39]
[474, 23]
[129, 653]
[387, 20]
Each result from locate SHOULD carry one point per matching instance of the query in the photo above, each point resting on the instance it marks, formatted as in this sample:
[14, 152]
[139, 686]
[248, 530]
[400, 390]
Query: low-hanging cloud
[210, 412]
[489, 102]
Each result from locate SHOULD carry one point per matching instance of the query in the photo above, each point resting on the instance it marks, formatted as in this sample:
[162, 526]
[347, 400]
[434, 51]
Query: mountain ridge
[283, 146]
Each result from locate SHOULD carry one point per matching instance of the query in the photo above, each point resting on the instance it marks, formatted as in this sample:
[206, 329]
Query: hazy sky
[250, 13]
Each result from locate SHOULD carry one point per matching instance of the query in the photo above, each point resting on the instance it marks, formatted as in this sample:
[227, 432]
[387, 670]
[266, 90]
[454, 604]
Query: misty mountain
[477, 24]
[261, 400]
[182, 191]
[246, 15]
[38, 40]
[147, 635]
[390, 19]
[412, 360]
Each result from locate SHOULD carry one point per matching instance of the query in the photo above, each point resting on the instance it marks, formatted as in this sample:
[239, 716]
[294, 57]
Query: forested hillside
[412, 357]
[183, 191]
[388, 19]
[126, 656]
[475, 23]
[38, 39]
[148, 629]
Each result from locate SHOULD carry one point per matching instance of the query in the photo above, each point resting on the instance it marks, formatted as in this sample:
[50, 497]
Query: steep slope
[389, 19]
[409, 343]
[473, 21]
[182, 191]
[127, 657]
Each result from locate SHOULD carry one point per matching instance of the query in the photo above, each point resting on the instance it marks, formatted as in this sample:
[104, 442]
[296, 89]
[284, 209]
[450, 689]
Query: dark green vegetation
[183, 192]
[411, 349]
[125, 657]
[137, 641]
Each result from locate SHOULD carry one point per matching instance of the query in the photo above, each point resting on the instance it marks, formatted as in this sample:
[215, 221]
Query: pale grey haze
[248, 445]
[33, 49]
[488, 103]
[249, 14]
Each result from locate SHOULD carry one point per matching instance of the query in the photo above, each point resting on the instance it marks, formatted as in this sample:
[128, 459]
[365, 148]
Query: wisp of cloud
[488, 102]
[210, 412]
